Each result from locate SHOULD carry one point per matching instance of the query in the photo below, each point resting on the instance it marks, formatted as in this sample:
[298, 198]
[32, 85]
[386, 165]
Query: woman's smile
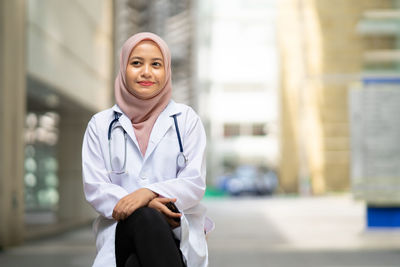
[146, 83]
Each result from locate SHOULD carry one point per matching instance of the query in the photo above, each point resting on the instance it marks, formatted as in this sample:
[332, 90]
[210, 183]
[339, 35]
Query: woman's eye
[135, 63]
[157, 64]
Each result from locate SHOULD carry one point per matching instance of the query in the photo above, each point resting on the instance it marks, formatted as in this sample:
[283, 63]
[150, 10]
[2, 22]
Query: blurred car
[248, 180]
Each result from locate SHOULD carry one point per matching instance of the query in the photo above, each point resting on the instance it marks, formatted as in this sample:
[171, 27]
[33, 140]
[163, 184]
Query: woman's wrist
[152, 194]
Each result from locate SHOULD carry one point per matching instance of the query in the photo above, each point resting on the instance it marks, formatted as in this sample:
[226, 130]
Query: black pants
[145, 239]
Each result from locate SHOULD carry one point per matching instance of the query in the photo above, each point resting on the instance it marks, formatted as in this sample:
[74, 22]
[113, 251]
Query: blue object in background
[248, 180]
[383, 217]
[381, 80]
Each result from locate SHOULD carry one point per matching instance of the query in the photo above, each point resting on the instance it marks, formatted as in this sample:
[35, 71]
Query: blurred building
[56, 71]
[324, 50]
[239, 79]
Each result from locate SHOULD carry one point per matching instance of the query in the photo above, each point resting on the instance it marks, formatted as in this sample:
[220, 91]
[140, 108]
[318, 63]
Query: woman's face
[145, 72]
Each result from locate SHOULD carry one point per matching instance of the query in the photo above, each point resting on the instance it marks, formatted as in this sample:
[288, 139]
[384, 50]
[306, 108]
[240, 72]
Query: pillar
[12, 117]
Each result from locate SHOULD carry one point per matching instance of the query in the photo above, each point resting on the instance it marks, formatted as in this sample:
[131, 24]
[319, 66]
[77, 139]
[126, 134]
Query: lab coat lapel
[161, 126]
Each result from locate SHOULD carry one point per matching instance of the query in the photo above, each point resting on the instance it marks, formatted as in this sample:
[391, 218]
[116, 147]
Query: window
[236, 129]
[258, 129]
[231, 129]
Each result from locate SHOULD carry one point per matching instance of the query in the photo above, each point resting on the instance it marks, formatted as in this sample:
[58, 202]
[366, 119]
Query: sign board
[375, 141]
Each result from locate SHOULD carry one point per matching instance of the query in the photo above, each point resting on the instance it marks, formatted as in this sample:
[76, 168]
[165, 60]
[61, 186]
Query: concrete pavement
[71, 249]
[280, 231]
[286, 232]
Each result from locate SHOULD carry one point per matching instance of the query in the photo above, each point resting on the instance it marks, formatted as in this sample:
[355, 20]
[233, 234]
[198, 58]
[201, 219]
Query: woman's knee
[145, 212]
[143, 217]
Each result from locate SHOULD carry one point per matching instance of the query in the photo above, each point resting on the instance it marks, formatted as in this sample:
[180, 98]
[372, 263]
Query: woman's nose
[146, 71]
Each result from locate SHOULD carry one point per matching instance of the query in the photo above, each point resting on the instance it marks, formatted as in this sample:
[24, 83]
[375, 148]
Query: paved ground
[287, 232]
[282, 232]
[71, 249]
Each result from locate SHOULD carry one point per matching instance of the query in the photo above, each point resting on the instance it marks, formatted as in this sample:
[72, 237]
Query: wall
[70, 48]
[321, 54]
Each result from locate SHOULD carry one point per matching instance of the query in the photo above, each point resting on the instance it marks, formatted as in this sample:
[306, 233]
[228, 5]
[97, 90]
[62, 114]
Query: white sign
[375, 142]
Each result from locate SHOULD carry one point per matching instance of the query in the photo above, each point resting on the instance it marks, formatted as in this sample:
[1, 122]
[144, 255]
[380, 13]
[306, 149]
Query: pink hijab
[143, 113]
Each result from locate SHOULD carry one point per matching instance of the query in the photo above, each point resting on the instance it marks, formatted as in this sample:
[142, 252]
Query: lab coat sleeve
[190, 184]
[99, 191]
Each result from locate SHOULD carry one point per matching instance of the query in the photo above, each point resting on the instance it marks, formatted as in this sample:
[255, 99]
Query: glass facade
[380, 30]
[41, 164]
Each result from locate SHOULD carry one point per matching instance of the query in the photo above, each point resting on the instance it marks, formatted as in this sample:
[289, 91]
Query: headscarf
[142, 112]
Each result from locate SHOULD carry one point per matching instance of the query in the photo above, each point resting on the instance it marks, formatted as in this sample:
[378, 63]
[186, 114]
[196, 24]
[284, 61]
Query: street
[280, 231]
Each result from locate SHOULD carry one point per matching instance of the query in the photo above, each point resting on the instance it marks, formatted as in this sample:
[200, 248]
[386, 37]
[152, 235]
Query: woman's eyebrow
[140, 58]
[135, 57]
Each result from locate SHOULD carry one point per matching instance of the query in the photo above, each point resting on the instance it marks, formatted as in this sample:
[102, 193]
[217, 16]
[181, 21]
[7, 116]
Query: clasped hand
[141, 198]
[158, 203]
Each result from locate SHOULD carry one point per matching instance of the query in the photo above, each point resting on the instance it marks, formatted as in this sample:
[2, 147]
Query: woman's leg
[132, 261]
[124, 246]
[147, 234]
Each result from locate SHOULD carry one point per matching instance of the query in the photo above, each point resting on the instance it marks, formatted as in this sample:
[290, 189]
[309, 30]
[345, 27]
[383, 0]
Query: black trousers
[145, 239]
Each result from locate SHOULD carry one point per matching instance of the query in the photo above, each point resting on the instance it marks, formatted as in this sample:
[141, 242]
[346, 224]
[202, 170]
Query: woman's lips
[146, 83]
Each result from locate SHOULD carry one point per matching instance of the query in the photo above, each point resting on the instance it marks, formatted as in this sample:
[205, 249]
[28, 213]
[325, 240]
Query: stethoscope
[181, 159]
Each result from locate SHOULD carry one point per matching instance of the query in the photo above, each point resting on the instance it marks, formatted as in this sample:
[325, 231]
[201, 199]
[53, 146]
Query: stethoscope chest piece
[181, 160]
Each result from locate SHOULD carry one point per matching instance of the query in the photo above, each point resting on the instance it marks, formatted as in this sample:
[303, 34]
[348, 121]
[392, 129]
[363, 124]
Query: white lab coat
[157, 171]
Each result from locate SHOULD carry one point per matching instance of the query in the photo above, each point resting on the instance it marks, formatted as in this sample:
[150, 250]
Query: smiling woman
[132, 202]
[145, 73]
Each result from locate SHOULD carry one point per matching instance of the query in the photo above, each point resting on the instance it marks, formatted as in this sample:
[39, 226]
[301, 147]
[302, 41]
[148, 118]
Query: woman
[141, 154]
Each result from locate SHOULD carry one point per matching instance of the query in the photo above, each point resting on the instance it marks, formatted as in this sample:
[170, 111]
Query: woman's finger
[157, 205]
[165, 200]
[173, 223]
[170, 213]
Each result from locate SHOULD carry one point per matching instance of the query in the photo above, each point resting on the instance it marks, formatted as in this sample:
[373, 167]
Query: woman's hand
[128, 204]
[158, 203]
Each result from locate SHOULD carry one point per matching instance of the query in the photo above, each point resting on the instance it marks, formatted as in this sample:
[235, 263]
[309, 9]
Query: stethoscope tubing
[116, 118]
[178, 134]
[110, 128]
